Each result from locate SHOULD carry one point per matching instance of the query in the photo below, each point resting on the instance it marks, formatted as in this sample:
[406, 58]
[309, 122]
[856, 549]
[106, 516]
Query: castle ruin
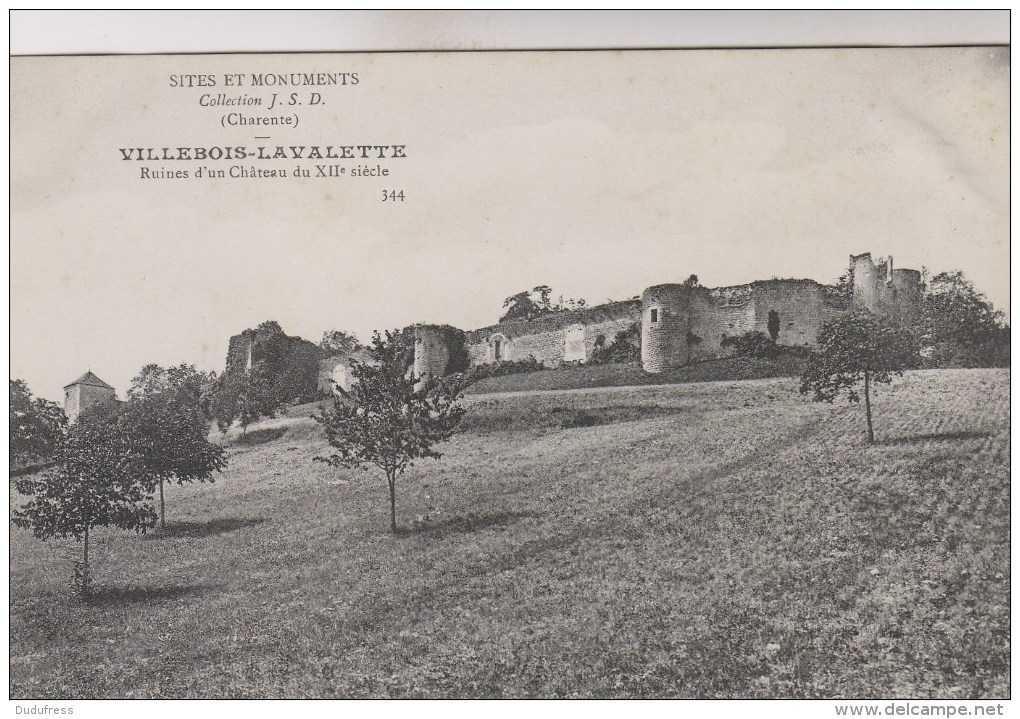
[680, 323]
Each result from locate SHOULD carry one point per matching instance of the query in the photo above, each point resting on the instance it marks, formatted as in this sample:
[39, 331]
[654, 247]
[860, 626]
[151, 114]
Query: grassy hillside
[627, 375]
[703, 540]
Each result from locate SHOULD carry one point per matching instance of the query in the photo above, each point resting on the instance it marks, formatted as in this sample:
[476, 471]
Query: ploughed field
[726, 539]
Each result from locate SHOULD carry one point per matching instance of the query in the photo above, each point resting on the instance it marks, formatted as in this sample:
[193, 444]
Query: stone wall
[682, 324]
[717, 314]
[335, 371]
[546, 338]
[608, 329]
[799, 304]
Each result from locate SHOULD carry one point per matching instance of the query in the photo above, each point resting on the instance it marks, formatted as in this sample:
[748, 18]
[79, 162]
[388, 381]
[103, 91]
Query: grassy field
[705, 540]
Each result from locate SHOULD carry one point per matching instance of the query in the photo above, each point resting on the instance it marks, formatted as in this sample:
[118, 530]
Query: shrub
[625, 347]
[751, 344]
[505, 367]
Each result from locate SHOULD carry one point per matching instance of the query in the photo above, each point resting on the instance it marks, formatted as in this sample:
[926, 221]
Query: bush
[505, 367]
[751, 344]
[626, 347]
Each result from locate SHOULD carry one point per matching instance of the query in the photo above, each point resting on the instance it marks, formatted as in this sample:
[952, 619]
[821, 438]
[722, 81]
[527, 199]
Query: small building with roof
[86, 391]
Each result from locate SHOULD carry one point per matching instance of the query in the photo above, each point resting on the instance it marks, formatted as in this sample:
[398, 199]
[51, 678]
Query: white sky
[596, 173]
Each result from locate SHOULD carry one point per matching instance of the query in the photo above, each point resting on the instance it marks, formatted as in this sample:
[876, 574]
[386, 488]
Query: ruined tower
[431, 351]
[86, 391]
[439, 350]
[880, 289]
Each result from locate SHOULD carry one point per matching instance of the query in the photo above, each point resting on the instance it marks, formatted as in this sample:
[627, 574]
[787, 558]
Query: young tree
[94, 484]
[36, 426]
[244, 397]
[773, 325]
[390, 418]
[854, 349]
[164, 414]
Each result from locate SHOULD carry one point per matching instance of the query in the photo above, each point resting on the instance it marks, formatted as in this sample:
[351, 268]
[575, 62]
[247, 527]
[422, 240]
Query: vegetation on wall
[455, 341]
[773, 325]
[625, 347]
[751, 344]
[537, 302]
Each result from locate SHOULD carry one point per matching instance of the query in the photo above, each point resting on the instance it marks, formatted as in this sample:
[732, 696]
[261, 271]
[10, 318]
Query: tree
[843, 289]
[390, 418]
[338, 342]
[535, 303]
[36, 426]
[244, 397]
[959, 327]
[165, 416]
[521, 307]
[773, 325]
[854, 349]
[94, 484]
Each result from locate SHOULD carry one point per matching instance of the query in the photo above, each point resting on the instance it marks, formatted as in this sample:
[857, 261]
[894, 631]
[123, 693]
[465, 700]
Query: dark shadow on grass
[463, 525]
[120, 596]
[204, 529]
[935, 437]
[261, 436]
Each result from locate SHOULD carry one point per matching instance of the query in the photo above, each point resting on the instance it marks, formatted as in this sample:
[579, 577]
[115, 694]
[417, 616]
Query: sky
[597, 173]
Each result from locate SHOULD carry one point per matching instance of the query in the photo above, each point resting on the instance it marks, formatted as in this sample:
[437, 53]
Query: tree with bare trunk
[94, 484]
[389, 418]
[165, 416]
[858, 350]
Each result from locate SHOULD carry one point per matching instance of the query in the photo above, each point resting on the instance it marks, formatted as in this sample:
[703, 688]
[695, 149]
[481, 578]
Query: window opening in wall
[497, 349]
[655, 315]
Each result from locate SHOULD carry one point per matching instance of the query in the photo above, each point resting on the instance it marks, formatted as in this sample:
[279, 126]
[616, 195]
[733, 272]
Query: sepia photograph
[648, 373]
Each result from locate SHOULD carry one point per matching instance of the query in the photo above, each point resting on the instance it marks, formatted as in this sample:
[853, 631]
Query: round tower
[665, 311]
[909, 291]
[431, 351]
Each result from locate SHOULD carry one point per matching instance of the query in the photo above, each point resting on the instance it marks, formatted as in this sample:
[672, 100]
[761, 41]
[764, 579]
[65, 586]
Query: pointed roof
[89, 379]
